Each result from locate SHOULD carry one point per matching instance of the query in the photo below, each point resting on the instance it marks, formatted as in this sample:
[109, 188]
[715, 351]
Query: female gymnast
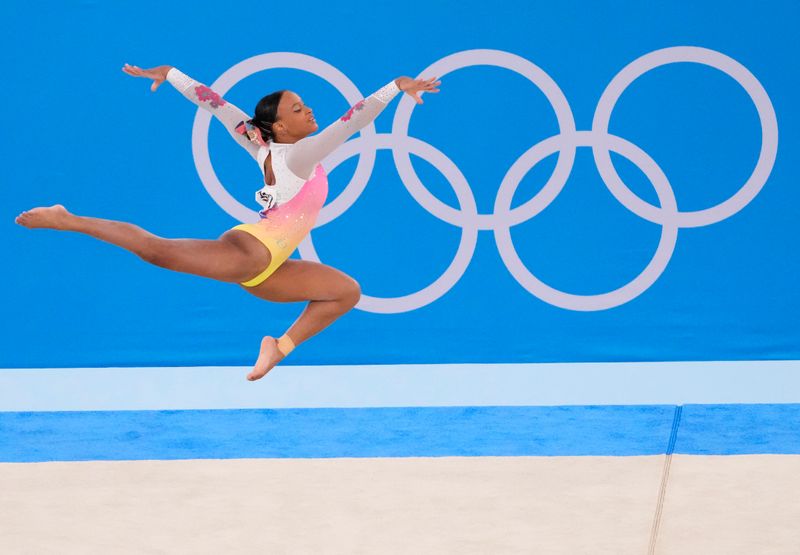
[279, 137]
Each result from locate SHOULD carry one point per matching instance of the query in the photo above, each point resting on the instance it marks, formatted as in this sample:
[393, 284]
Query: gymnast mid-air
[279, 137]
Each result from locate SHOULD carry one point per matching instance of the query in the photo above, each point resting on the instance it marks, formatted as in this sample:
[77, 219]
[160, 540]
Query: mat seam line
[662, 492]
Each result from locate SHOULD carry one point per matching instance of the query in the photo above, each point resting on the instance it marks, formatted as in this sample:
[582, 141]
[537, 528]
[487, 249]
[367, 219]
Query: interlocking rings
[565, 143]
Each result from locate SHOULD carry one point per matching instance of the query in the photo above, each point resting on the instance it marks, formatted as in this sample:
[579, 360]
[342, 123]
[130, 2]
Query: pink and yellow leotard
[291, 205]
[283, 227]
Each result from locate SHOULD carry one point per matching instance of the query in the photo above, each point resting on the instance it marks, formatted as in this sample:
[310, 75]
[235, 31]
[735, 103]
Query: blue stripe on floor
[739, 430]
[397, 432]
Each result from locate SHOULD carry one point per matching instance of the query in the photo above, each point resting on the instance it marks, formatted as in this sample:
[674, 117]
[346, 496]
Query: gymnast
[279, 137]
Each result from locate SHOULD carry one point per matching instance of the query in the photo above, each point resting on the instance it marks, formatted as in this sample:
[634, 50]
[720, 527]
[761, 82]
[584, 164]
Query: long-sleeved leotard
[292, 203]
[300, 158]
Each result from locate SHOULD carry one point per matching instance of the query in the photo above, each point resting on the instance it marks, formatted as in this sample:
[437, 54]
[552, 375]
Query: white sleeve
[229, 115]
[307, 153]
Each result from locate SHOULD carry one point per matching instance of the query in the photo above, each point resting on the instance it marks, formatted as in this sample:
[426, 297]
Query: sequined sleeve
[308, 152]
[229, 115]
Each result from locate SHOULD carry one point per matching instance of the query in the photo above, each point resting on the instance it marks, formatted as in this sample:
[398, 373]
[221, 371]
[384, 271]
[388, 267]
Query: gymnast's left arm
[308, 152]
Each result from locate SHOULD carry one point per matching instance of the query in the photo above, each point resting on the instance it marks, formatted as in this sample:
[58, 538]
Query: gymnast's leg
[330, 293]
[234, 257]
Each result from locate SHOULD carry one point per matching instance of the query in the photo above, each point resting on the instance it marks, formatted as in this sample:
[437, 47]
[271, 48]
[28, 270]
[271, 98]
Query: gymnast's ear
[280, 125]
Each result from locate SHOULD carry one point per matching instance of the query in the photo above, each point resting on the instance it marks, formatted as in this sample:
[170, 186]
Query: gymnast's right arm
[309, 151]
[229, 115]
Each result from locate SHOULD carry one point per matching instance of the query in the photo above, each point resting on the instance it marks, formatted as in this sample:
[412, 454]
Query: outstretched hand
[416, 87]
[157, 74]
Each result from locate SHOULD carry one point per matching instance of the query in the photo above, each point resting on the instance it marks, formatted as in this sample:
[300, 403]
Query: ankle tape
[285, 345]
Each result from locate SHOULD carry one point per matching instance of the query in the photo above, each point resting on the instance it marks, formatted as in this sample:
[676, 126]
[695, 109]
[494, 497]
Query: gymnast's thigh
[304, 280]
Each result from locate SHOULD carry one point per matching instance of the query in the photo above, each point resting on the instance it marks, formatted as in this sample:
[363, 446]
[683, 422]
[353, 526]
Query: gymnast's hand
[415, 87]
[157, 74]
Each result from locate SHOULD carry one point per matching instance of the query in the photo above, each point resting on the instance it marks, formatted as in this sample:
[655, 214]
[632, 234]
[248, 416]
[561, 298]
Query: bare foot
[267, 358]
[51, 217]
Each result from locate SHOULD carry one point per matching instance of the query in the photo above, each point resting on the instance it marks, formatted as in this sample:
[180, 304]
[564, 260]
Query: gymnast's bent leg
[234, 257]
[330, 292]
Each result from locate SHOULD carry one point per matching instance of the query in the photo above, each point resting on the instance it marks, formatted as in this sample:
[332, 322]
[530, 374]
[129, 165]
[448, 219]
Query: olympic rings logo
[503, 218]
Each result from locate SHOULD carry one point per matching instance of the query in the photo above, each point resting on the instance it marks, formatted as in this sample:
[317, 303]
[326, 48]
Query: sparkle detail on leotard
[386, 93]
[205, 94]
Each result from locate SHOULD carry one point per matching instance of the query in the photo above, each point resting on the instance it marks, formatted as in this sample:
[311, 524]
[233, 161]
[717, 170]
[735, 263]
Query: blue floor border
[400, 432]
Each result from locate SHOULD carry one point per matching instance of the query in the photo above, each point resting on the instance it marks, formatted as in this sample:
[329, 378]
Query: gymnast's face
[295, 120]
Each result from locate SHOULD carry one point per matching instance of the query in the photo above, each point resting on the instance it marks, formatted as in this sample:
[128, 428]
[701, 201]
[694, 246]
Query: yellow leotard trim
[279, 255]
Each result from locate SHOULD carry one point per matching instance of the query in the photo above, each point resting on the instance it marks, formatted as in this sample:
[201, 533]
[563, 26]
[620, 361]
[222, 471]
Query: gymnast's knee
[352, 294]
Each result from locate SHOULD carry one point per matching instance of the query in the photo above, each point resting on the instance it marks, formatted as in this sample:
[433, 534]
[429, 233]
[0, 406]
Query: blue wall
[80, 132]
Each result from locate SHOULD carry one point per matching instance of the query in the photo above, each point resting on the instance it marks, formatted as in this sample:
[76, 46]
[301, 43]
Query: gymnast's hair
[266, 114]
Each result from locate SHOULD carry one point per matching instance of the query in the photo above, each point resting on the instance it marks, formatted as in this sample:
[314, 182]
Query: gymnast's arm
[308, 152]
[229, 115]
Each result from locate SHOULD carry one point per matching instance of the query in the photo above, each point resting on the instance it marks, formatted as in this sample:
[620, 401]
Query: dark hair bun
[264, 127]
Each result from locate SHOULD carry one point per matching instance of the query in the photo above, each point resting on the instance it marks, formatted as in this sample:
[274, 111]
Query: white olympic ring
[565, 143]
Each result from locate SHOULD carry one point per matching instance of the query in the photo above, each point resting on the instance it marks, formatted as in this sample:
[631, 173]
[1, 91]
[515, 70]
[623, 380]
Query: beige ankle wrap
[285, 345]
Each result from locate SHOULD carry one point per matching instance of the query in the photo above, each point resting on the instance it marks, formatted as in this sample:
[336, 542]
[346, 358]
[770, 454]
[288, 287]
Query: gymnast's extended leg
[330, 292]
[234, 257]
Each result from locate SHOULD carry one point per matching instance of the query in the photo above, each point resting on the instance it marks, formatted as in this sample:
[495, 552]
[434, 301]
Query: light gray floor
[732, 504]
[570, 505]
